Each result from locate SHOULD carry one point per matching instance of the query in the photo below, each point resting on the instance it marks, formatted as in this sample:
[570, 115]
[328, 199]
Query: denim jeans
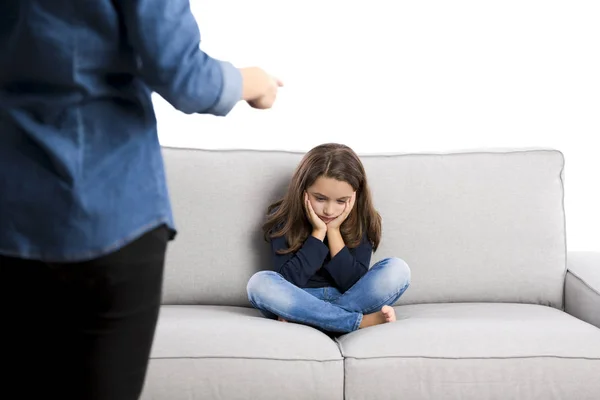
[326, 308]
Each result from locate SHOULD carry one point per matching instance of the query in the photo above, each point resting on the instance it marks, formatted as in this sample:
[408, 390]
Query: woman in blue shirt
[85, 216]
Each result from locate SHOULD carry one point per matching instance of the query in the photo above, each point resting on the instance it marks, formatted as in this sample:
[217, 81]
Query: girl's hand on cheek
[316, 222]
[336, 223]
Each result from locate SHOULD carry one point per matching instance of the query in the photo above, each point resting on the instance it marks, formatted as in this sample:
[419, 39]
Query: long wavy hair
[287, 216]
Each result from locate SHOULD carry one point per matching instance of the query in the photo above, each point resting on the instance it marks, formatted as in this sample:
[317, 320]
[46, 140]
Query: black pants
[81, 331]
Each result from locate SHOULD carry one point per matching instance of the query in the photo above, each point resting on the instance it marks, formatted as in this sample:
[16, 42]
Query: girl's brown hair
[287, 216]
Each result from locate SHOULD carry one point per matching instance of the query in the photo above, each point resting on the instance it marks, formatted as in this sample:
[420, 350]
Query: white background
[414, 76]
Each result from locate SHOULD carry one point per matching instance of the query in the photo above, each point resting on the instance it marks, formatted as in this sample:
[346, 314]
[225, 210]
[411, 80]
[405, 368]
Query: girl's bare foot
[281, 319]
[387, 314]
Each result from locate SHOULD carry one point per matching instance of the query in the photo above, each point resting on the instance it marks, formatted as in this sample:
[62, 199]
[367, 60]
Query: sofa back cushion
[484, 226]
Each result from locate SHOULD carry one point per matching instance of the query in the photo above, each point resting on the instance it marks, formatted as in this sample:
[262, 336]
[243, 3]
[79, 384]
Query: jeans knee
[396, 274]
[259, 284]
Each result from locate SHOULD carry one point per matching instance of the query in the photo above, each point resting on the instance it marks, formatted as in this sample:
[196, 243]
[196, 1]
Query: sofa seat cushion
[474, 351]
[218, 352]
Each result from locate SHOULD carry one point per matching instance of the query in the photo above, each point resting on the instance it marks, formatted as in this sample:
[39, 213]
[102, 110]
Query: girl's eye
[341, 202]
[320, 199]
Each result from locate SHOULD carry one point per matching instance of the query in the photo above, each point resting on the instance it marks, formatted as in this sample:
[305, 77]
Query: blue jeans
[326, 308]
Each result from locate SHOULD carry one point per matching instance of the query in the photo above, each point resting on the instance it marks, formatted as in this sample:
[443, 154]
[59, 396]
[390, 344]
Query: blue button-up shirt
[81, 171]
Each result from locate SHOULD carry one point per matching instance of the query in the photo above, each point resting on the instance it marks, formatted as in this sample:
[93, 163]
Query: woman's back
[77, 126]
[59, 52]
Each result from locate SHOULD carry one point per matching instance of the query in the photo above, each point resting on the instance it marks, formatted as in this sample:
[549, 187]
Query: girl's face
[328, 196]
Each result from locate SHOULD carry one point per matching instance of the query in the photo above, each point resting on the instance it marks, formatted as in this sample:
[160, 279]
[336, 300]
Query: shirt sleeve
[300, 266]
[349, 265]
[166, 39]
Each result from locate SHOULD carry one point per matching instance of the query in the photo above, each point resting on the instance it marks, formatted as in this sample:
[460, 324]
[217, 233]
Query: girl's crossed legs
[364, 304]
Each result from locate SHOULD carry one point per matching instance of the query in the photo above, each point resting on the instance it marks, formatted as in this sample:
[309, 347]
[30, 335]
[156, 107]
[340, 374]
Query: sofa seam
[370, 155]
[374, 358]
[243, 358]
[564, 229]
[584, 283]
[339, 346]
[474, 358]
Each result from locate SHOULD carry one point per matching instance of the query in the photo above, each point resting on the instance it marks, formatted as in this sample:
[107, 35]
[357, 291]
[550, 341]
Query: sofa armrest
[582, 286]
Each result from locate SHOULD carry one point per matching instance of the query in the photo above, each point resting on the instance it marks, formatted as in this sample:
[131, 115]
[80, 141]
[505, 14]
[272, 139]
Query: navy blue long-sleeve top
[312, 265]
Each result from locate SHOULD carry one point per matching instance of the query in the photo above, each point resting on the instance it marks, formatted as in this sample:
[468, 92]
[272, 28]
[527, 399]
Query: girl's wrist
[319, 234]
[333, 230]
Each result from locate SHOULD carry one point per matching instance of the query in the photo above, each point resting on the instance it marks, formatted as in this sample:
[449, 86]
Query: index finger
[347, 207]
[309, 206]
[278, 81]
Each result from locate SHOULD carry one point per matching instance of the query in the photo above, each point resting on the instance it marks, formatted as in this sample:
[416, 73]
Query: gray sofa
[497, 307]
